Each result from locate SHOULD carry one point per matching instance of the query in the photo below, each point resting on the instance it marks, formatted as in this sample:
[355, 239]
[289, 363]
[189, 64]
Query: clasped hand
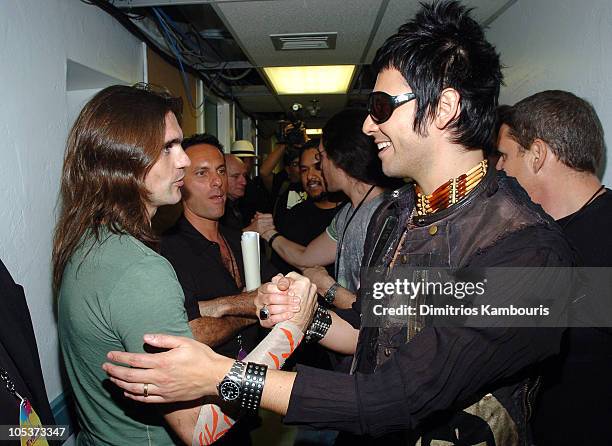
[263, 224]
[292, 297]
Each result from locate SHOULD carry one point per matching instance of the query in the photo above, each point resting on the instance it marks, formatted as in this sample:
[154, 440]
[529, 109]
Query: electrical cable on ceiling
[171, 43]
[174, 38]
[169, 27]
[169, 32]
[185, 36]
[166, 26]
[179, 34]
[244, 74]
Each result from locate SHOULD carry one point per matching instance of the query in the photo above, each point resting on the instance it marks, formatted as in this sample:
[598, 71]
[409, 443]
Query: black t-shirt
[575, 401]
[302, 224]
[284, 196]
[256, 198]
[233, 218]
[589, 231]
[200, 270]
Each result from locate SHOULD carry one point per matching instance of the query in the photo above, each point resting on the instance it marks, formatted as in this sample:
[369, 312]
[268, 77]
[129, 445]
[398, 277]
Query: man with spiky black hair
[432, 115]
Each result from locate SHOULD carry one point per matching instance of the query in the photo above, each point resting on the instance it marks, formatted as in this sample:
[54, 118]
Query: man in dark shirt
[237, 177]
[553, 143]
[287, 190]
[306, 220]
[207, 256]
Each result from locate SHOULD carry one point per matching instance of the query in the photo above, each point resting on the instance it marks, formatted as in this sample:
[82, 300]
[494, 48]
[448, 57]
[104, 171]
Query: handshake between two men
[286, 298]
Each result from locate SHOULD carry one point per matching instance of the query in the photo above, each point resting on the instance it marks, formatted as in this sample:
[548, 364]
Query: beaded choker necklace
[451, 192]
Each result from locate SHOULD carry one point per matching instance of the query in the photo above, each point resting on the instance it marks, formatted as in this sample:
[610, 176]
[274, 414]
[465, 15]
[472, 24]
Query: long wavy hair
[115, 141]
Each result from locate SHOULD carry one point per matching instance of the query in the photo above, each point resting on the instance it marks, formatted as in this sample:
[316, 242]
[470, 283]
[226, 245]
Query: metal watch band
[330, 294]
[236, 375]
[319, 326]
[253, 384]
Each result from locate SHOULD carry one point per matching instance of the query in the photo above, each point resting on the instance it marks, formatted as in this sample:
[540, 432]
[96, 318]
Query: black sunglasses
[381, 105]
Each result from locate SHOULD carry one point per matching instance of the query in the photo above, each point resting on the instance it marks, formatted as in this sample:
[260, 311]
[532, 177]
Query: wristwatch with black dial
[230, 387]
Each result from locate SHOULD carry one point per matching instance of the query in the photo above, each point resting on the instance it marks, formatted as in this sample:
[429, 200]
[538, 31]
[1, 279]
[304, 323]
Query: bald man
[236, 176]
[237, 173]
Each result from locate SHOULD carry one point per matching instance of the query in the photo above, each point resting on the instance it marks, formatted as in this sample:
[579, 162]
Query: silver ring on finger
[264, 313]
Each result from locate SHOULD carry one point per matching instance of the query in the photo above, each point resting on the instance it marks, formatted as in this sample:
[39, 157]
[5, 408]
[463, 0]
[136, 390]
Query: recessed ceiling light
[314, 131]
[326, 79]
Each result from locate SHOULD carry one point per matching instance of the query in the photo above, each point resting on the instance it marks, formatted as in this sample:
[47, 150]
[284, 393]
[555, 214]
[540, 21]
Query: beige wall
[163, 74]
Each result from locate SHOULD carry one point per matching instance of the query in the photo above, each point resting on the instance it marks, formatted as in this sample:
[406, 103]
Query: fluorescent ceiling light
[328, 79]
[314, 131]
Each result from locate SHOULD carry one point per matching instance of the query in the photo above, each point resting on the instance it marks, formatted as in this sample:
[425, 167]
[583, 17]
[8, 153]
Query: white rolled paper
[250, 257]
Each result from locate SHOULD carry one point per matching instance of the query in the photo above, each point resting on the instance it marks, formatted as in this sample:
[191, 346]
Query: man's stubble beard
[321, 197]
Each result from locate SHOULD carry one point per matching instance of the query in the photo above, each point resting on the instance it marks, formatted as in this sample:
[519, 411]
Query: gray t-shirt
[109, 298]
[349, 251]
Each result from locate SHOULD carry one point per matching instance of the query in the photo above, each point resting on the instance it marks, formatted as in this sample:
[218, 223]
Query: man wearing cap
[244, 150]
[256, 197]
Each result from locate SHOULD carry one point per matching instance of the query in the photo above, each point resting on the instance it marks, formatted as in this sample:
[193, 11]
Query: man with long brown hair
[123, 160]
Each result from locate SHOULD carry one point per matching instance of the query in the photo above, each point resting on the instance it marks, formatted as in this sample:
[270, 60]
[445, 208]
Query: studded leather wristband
[252, 386]
[319, 326]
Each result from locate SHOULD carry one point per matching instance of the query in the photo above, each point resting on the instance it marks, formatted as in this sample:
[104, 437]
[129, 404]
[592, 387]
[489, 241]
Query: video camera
[292, 131]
